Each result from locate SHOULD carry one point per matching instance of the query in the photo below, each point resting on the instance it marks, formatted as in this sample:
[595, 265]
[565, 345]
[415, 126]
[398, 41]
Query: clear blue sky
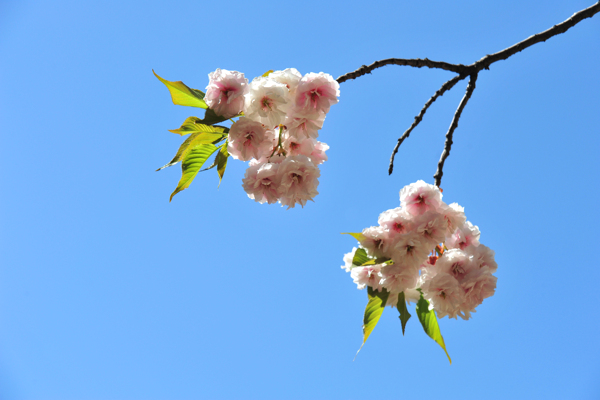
[108, 291]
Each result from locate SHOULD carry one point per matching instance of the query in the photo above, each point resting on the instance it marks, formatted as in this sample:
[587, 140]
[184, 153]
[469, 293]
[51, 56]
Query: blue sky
[108, 291]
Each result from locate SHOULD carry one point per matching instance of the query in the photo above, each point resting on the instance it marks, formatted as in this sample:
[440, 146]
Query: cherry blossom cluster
[282, 115]
[428, 245]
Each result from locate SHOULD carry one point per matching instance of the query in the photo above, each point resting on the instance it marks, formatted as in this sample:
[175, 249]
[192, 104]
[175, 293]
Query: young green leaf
[194, 124]
[221, 161]
[193, 140]
[428, 319]
[183, 95]
[375, 306]
[360, 258]
[404, 314]
[356, 235]
[192, 162]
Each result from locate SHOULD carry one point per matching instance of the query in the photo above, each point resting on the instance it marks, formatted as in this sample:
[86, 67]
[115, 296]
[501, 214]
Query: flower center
[266, 103]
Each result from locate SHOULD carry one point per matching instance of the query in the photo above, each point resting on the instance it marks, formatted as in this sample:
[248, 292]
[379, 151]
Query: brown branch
[445, 87]
[411, 62]
[486, 61]
[464, 71]
[453, 125]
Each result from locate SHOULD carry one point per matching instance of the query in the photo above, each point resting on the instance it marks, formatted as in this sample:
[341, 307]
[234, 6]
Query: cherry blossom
[225, 92]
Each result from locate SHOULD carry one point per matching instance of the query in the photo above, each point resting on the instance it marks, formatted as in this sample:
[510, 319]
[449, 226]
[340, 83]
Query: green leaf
[267, 73]
[183, 95]
[361, 258]
[221, 161]
[404, 314]
[211, 118]
[192, 162]
[356, 235]
[375, 306]
[429, 321]
[195, 124]
[193, 140]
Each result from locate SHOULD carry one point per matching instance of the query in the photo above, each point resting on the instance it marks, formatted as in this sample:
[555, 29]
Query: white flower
[290, 77]
[225, 92]
[348, 257]
[267, 102]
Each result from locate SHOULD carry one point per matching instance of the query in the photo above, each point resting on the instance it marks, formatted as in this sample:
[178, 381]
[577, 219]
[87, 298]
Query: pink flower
[317, 92]
[377, 241]
[298, 146]
[397, 221]
[432, 227]
[410, 249]
[483, 256]
[445, 295]
[249, 139]
[366, 276]
[398, 278]
[318, 155]
[420, 197]
[467, 235]
[454, 215]
[456, 263]
[225, 92]
[304, 125]
[477, 285]
[298, 181]
[261, 182]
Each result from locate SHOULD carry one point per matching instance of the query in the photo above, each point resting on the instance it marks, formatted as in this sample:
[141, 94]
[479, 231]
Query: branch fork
[463, 71]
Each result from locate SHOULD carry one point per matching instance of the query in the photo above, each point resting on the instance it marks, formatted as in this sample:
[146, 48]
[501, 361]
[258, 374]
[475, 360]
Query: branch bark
[453, 125]
[411, 62]
[564, 26]
[440, 92]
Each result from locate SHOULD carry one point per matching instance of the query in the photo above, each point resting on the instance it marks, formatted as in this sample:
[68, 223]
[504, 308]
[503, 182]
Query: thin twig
[445, 87]
[412, 62]
[453, 125]
[486, 61]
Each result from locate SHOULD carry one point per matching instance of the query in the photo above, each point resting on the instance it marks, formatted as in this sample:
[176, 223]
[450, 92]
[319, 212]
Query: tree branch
[464, 71]
[412, 62]
[453, 125]
[445, 87]
[486, 61]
